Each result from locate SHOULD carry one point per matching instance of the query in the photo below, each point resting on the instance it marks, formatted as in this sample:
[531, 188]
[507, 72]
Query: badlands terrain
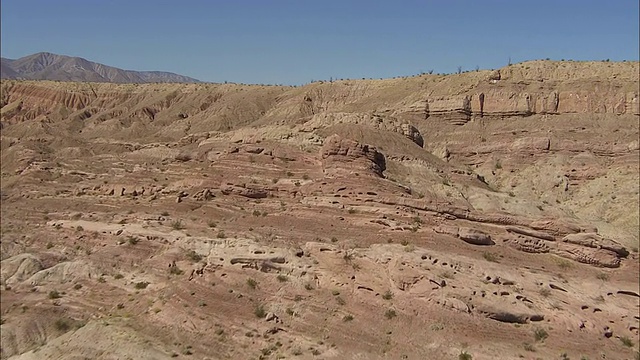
[482, 215]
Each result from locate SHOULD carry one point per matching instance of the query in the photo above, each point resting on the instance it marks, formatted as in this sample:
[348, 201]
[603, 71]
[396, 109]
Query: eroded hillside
[490, 212]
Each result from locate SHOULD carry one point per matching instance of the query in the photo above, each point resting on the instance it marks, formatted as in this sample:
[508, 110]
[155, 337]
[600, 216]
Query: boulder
[475, 237]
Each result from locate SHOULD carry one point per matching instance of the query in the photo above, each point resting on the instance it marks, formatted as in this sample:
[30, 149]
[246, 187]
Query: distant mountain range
[48, 66]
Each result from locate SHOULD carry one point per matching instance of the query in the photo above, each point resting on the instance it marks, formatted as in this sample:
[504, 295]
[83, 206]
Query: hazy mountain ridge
[48, 66]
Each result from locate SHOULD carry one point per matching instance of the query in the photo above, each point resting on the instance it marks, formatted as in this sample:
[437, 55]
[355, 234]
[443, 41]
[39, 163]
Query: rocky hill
[490, 213]
[48, 66]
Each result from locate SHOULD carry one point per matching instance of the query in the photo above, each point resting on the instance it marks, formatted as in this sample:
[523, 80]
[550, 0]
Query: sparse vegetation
[282, 278]
[347, 318]
[545, 291]
[132, 240]
[211, 224]
[164, 213]
[193, 256]
[626, 341]
[259, 311]
[465, 356]
[62, 325]
[390, 314]
[540, 334]
[141, 285]
[252, 283]
[564, 264]
[529, 347]
[221, 235]
[177, 225]
[308, 286]
[490, 256]
[388, 295]
[54, 294]
[602, 276]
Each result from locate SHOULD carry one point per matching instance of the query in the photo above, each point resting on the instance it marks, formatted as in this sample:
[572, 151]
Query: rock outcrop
[344, 157]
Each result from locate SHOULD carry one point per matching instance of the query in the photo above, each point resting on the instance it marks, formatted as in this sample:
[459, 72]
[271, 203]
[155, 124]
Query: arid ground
[482, 215]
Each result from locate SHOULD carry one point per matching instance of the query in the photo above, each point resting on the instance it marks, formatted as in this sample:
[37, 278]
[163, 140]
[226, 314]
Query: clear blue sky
[295, 41]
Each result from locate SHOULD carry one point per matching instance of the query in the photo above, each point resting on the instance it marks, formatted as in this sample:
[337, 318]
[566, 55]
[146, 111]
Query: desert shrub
[118, 276]
[62, 325]
[540, 334]
[465, 356]
[347, 318]
[564, 264]
[529, 347]
[352, 211]
[221, 235]
[132, 240]
[626, 341]
[388, 295]
[177, 225]
[211, 224]
[259, 311]
[141, 285]
[174, 270]
[340, 300]
[545, 292]
[256, 213]
[490, 256]
[252, 283]
[390, 314]
[193, 256]
[602, 276]
[308, 286]
[164, 213]
[282, 278]
[54, 294]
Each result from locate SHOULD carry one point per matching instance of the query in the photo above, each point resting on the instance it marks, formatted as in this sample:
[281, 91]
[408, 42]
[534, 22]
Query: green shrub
[347, 318]
[465, 356]
[54, 294]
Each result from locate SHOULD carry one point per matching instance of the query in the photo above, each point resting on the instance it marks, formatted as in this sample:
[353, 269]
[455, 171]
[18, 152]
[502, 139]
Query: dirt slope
[493, 213]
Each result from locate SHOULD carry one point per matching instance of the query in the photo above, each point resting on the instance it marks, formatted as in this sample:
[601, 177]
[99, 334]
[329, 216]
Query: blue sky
[294, 42]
